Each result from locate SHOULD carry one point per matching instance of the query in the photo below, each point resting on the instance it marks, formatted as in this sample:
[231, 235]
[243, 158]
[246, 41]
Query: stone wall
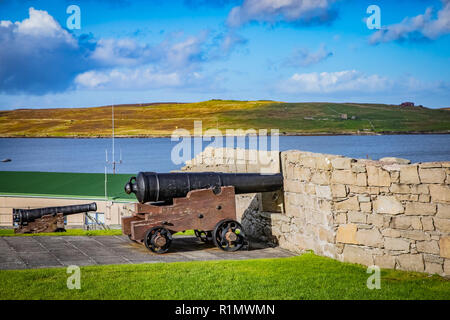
[388, 213]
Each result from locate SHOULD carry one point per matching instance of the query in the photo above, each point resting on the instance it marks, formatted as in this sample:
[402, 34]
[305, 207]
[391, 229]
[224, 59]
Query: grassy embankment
[303, 277]
[163, 119]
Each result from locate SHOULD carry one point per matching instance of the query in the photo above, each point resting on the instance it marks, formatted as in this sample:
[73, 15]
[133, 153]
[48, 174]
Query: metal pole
[113, 151]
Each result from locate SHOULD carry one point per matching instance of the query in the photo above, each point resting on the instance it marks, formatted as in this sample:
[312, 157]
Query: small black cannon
[50, 219]
[199, 201]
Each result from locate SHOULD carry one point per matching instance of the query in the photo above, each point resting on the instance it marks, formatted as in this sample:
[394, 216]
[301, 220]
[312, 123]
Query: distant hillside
[162, 119]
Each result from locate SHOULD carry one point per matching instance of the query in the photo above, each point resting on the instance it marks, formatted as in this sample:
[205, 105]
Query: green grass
[69, 232]
[302, 277]
[163, 119]
[76, 232]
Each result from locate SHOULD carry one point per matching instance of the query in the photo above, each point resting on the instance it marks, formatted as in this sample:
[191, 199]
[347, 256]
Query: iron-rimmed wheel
[228, 235]
[158, 239]
[203, 236]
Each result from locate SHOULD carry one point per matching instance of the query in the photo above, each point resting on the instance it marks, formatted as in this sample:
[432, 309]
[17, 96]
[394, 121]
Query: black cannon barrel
[28, 215]
[152, 186]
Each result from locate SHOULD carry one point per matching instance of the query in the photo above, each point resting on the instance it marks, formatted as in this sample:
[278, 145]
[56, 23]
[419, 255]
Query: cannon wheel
[203, 236]
[158, 239]
[228, 235]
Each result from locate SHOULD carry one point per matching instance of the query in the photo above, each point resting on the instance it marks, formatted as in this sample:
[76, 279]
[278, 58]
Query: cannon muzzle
[27, 215]
[152, 186]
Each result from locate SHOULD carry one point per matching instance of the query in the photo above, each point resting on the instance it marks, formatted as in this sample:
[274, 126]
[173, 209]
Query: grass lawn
[75, 232]
[303, 277]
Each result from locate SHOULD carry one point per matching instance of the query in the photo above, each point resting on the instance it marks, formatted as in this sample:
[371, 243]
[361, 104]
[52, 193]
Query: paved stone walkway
[59, 251]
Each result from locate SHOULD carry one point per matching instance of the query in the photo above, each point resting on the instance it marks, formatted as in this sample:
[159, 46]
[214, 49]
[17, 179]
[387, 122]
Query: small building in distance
[407, 104]
[344, 116]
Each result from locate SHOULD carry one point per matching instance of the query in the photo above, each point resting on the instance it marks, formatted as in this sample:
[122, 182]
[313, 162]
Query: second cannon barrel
[152, 186]
[28, 215]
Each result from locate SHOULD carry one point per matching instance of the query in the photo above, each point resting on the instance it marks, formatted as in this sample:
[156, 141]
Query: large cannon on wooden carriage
[203, 202]
[49, 219]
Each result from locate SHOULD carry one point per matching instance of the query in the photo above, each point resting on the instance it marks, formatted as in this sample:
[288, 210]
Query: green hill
[162, 119]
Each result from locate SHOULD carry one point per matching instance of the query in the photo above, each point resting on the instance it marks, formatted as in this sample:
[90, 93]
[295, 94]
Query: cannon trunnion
[203, 202]
[49, 219]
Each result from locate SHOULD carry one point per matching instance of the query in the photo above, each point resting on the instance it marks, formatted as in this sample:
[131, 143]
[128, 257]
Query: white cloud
[303, 57]
[297, 11]
[42, 25]
[421, 26]
[330, 82]
[123, 52]
[37, 55]
[350, 85]
[136, 79]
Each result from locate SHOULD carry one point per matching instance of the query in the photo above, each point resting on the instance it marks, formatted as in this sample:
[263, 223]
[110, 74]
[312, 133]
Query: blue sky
[194, 50]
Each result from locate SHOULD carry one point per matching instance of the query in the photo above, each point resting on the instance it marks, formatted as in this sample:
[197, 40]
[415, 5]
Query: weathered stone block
[357, 255]
[349, 204]
[358, 167]
[369, 237]
[395, 160]
[363, 198]
[442, 225]
[432, 175]
[443, 211]
[395, 176]
[433, 268]
[411, 262]
[346, 234]
[424, 198]
[428, 246]
[415, 235]
[433, 258]
[323, 162]
[326, 235]
[409, 175]
[341, 163]
[439, 193]
[375, 219]
[341, 218]
[378, 177]
[366, 206]
[403, 223]
[388, 204]
[444, 246]
[338, 190]
[356, 217]
[391, 233]
[343, 177]
[321, 177]
[403, 189]
[361, 179]
[420, 209]
[423, 189]
[430, 165]
[301, 173]
[293, 186]
[323, 192]
[447, 267]
[385, 261]
[396, 244]
[427, 224]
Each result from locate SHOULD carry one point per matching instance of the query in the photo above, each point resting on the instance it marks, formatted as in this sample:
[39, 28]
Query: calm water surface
[154, 154]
